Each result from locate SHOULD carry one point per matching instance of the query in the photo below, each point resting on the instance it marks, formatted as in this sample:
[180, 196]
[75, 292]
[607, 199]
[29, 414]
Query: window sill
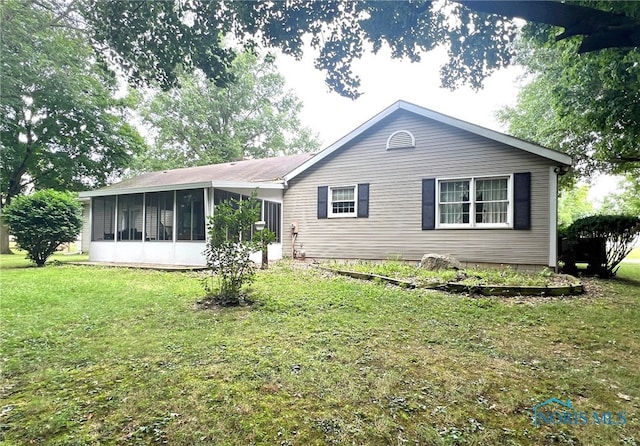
[488, 226]
[342, 216]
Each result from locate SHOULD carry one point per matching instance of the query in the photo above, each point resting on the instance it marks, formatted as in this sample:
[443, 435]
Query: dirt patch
[218, 303]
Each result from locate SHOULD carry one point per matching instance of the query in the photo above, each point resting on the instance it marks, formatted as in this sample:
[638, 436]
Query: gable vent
[402, 139]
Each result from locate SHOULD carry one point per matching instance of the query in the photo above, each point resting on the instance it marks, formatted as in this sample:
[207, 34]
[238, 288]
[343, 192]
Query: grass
[634, 255]
[471, 276]
[95, 356]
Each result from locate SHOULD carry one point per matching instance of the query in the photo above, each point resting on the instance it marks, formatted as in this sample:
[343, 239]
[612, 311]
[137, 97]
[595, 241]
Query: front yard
[95, 356]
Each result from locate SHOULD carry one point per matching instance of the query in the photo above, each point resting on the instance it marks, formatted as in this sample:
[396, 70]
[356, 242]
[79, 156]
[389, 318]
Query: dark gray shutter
[522, 200]
[428, 203]
[363, 200]
[323, 196]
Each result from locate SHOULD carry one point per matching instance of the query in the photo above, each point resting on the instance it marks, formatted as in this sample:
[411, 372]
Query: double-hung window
[342, 201]
[474, 202]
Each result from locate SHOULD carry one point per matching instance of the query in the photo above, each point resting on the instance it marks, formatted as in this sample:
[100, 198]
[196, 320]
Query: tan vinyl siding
[393, 228]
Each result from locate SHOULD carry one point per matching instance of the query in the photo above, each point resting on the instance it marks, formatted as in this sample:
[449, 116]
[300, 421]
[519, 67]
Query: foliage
[60, 125]
[43, 221]
[97, 355]
[338, 32]
[625, 200]
[229, 247]
[587, 106]
[618, 232]
[573, 203]
[201, 123]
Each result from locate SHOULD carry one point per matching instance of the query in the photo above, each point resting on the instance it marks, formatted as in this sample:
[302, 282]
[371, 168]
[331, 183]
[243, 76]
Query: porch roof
[265, 173]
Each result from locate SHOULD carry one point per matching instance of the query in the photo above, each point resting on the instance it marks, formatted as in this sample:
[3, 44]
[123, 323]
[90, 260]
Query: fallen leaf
[622, 396]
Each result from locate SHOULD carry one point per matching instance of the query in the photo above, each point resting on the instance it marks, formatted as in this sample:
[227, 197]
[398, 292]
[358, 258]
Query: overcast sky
[384, 81]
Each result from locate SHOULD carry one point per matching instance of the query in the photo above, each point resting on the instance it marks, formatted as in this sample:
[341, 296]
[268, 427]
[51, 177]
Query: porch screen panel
[130, 223]
[190, 207]
[271, 216]
[103, 212]
[159, 216]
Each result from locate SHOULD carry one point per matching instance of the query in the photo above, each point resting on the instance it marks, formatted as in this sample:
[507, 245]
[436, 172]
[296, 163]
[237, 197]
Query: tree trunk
[4, 237]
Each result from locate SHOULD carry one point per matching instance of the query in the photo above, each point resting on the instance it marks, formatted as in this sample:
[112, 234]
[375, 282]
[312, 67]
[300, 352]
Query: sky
[385, 80]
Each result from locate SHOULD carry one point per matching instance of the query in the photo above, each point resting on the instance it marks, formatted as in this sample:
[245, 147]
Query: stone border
[484, 290]
[366, 276]
[500, 290]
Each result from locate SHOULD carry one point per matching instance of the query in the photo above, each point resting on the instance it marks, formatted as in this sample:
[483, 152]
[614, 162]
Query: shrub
[41, 222]
[614, 233]
[229, 247]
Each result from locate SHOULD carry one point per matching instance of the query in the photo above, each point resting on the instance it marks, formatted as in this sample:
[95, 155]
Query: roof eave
[168, 187]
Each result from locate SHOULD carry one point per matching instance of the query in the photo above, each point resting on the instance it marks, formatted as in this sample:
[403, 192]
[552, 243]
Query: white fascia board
[342, 141]
[218, 184]
[248, 185]
[490, 134]
[553, 155]
[138, 190]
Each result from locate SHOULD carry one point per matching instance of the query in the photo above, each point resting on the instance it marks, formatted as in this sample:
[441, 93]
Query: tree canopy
[153, 40]
[201, 123]
[592, 98]
[60, 125]
[586, 106]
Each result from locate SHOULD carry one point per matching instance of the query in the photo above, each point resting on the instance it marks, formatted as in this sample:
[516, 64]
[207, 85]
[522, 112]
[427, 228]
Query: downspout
[556, 172]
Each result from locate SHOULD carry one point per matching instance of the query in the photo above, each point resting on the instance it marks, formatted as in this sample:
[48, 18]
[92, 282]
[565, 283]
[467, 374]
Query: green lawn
[99, 356]
[634, 255]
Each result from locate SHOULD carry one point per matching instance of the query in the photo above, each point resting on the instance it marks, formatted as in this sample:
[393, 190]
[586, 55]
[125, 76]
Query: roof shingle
[247, 171]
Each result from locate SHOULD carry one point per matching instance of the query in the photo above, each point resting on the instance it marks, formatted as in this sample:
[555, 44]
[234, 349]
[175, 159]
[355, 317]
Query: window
[454, 202]
[342, 201]
[474, 202]
[159, 216]
[190, 208]
[492, 203]
[130, 217]
[349, 201]
[103, 211]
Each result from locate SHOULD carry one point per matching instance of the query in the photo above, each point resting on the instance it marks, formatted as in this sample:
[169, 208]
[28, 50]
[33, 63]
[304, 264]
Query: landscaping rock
[434, 262]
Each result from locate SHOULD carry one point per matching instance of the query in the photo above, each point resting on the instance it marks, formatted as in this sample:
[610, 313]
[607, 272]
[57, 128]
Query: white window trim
[353, 214]
[472, 204]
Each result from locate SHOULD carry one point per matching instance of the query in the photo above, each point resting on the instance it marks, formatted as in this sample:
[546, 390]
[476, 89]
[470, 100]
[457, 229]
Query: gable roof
[553, 155]
[264, 172]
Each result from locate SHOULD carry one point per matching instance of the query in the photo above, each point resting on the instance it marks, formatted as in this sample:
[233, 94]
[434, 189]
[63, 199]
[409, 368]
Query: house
[406, 182]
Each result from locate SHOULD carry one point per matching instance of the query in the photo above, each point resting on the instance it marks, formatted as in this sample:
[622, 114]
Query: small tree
[43, 221]
[229, 247]
[612, 234]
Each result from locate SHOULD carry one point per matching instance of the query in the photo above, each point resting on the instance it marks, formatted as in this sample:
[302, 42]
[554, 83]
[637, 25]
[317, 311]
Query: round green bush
[42, 221]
